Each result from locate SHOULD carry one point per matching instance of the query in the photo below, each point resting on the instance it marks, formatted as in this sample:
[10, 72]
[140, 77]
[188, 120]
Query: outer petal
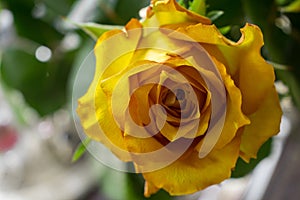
[242, 59]
[264, 124]
[150, 189]
[169, 12]
[235, 118]
[190, 174]
[111, 47]
[93, 108]
[98, 123]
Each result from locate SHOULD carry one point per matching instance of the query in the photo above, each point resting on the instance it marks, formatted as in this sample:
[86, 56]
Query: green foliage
[130, 186]
[42, 84]
[32, 28]
[198, 6]
[95, 30]
[215, 14]
[80, 150]
[161, 194]
[184, 3]
[119, 11]
[225, 30]
[233, 12]
[129, 9]
[242, 168]
[284, 2]
[292, 7]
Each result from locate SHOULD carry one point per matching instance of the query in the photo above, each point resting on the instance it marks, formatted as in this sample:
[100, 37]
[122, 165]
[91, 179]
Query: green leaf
[182, 3]
[278, 66]
[114, 184]
[161, 194]
[35, 29]
[59, 7]
[80, 150]
[292, 7]
[224, 30]
[96, 30]
[129, 9]
[130, 186]
[43, 84]
[215, 14]
[283, 2]
[135, 189]
[242, 168]
[198, 6]
[233, 12]
[119, 11]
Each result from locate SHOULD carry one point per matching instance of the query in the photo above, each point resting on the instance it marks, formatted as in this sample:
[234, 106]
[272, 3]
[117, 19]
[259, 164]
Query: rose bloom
[216, 97]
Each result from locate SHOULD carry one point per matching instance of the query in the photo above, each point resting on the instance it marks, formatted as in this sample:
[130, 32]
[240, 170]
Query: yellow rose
[175, 97]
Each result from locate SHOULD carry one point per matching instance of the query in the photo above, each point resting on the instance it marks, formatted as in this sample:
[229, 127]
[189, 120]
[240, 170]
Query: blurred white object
[38, 165]
[6, 28]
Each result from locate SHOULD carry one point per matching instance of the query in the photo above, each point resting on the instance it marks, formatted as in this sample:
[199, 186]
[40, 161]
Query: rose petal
[149, 189]
[122, 85]
[140, 104]
[143, 145]
[234, 116]
[265, 123]
[93, 108]
[193, 76]
[98, 123]
[169, 12]
[190, 174]
[155, 46]
[148, 154]
[114, 43]
[242, 59]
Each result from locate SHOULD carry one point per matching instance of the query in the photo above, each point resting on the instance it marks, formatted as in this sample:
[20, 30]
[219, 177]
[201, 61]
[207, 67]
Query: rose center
[180, 94]
[174, 100]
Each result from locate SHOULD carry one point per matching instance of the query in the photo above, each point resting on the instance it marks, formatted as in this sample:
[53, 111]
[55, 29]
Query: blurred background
[41, 51]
